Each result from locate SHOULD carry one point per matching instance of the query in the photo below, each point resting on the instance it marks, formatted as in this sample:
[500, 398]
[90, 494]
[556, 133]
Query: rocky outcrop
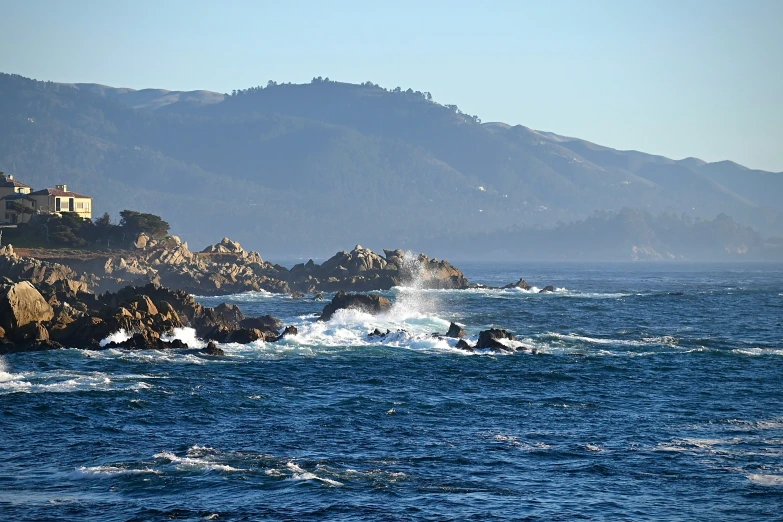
[22, 305]
[519, 284]
[227, 268]
[226, 246]
[61, 314]
[547, 289]
[362, 270]
[490, 340]
[373, 304]
[456, 331]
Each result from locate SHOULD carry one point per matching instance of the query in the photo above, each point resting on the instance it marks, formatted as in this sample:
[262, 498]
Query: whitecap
[300, 474]
[766, 480]
[185, 463]
[118, 337]
[186, 335]
[109, 471]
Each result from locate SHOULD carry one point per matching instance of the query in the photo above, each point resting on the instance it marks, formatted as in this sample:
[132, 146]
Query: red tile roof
[5, 182]
[60, 193]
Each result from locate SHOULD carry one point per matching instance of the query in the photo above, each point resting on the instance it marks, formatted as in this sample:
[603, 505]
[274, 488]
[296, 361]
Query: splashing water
[412, 302]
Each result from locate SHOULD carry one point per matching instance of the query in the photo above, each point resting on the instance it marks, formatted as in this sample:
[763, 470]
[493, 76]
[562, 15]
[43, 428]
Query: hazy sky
[680, 78]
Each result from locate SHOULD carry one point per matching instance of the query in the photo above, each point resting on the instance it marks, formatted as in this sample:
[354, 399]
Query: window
[79, 204]
[56, 204]
[8, 206]
[70, 204]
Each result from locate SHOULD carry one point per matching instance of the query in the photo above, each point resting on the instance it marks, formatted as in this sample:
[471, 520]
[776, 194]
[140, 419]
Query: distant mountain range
[307, 169]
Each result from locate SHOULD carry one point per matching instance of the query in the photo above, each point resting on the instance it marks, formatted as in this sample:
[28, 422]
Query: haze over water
[654, 393]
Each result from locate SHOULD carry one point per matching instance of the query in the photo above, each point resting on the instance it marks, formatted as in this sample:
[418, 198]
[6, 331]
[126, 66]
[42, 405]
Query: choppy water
[639, 405]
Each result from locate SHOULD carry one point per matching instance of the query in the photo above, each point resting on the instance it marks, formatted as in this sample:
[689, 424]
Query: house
[18, 202]
[8, 186]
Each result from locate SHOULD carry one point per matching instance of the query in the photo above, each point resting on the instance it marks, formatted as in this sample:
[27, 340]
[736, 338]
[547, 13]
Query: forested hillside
[309, 169]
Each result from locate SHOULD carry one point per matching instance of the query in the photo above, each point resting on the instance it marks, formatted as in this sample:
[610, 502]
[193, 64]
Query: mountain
[307, 169]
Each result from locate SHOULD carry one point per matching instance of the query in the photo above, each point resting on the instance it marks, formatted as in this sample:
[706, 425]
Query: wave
[765, 480]
[110, 471]
[66, 381]
[199, 461]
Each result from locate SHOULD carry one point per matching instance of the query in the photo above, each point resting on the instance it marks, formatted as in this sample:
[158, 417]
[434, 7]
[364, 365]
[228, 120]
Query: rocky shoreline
[226, 268]
[46, 304]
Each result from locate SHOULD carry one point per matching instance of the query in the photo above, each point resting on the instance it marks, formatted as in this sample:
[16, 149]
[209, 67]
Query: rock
[226, 246]
[519, 284]
[245, 336]
[547, 289]
[297, 295]
[142, 304]
[264, 323]
[489, 339]
[141, 241]
[318, 297]
[456, 331]
[22, 304]
[289, 331]
[2, 332]
[82, 333]
[167, 312]
[223, 315]
[373, 304]
[212, 349]
[30, 333]
[463, 345]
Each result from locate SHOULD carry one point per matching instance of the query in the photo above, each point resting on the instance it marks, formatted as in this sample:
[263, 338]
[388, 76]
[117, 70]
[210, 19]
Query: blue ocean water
[656, 393]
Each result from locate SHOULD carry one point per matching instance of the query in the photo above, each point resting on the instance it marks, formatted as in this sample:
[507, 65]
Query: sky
[683, 78]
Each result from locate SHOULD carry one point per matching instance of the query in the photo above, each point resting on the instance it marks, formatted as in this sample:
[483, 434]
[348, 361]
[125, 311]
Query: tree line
[68, 229]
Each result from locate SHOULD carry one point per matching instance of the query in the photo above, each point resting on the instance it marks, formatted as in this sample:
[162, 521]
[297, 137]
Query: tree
[103, 221]
[137, 223]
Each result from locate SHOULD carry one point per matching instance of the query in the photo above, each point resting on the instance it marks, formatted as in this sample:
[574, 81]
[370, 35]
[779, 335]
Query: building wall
[8, 216]
[7, 191]
[82, 206]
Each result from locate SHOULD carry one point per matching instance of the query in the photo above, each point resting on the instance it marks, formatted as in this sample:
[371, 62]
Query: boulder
[373, 304]
[519, 284]
[21, 304]
[289, 331]
[547, 289]
[226, 246]
[30, 333]
[212, 349]
[141, 241]
[462, 344]
[143, 304]
[489, 339]
[265, 323]
[456, 331]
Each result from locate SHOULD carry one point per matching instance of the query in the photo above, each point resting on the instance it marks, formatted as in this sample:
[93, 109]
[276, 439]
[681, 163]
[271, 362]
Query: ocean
[646, 392]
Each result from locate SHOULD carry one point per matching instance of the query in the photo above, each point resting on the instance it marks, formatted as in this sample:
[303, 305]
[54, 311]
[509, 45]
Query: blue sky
[677, 78]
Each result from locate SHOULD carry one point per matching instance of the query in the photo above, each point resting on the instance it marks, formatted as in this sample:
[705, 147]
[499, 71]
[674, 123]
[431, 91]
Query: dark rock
[519, 284]
[297, 295]
[547, 289]
[318, 297]
[456, 331]
[289, 331]
[30, 333]
[245, 336]
[264, 323]
[212, 349]
[488, 339]
[463, 345]
[373, 304]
